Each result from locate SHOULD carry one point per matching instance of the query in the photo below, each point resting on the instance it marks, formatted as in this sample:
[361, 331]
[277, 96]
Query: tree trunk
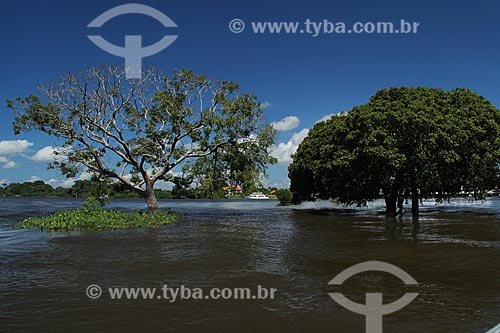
[415, 199]
[151, 201]
[401, 201]
[390, 205]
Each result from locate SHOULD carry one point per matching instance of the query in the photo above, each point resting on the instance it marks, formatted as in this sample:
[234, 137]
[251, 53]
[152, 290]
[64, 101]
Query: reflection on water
[453, 253]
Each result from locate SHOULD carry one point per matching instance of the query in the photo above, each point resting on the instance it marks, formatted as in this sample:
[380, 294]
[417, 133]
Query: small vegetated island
[183, 128]
[93, 217]
[405, 143]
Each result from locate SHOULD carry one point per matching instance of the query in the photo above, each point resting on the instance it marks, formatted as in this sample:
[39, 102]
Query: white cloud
[33, 179]
[46, 154]
[283, 152]
[163, 185]
[51, 181]
[251, 138]
[265, 105]
[284, 183]
[85, 175]
[326, 117]
[4, 159]
[10, 165]
[286, 124]
[49, 154]
[12, 147]
[67, 182]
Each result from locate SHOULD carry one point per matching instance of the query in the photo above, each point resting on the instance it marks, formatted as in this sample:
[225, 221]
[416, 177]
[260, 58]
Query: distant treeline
[81, 189]
[100, 189]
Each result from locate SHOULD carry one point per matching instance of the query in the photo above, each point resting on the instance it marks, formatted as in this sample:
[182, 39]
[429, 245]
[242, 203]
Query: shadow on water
[452, 252]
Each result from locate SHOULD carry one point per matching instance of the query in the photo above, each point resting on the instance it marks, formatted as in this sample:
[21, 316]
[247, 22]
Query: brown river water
[454, 255]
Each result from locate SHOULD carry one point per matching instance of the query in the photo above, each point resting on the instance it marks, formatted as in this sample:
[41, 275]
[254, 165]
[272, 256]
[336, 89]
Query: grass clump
[93, 217]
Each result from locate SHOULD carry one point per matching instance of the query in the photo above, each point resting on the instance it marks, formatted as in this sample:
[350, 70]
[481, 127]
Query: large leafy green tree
[137, 131]
[405, 143]
[234, 166]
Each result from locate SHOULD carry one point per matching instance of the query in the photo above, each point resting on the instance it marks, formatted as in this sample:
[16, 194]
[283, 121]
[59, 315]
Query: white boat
[257, 196]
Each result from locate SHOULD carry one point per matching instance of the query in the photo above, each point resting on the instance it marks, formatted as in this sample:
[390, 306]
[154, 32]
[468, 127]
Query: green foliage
[284, 195]
[94, 218]
[92, 204]
[163, 194]
[241, 164]
[404, 143]
[181, 192]
[28, 189]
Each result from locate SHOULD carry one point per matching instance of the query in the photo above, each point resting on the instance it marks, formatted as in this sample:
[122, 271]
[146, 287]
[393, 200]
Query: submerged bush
[93, 217]
[284, 196]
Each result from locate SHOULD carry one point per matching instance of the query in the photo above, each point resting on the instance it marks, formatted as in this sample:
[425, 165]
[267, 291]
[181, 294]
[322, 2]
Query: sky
[300, 78]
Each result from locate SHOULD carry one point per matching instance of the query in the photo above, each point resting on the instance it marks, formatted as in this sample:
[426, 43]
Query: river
[453, 254]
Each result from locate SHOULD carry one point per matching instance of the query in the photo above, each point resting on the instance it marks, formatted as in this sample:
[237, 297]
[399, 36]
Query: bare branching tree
[136, 131]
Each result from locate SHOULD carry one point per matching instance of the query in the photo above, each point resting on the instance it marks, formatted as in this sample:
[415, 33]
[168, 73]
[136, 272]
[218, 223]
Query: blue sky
[457, 45]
